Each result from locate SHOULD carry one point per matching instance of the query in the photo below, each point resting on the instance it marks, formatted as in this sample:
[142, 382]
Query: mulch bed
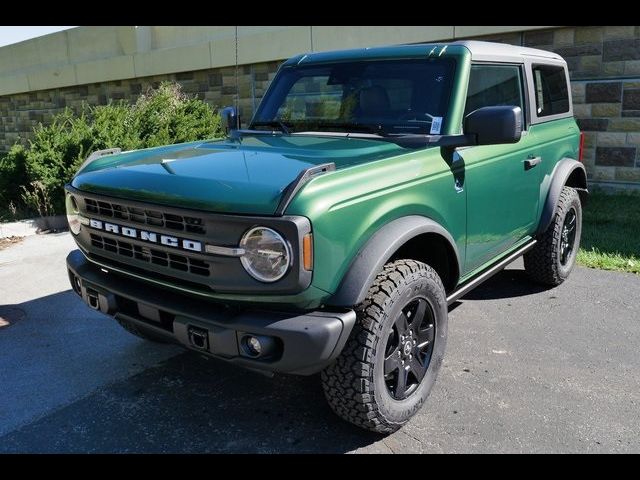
[8, 241]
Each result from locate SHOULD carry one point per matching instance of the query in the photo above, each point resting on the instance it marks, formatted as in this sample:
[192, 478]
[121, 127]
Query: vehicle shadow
[188, 403]
[184, 404]
[193, 405]
[508, 283]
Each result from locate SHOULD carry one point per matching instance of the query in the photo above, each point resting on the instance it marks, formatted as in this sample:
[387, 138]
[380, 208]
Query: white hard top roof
[502, 51]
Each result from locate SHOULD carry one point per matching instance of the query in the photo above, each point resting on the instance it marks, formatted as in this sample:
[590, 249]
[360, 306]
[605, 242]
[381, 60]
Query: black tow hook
[93, 299]
[198, 337]
[98, 299]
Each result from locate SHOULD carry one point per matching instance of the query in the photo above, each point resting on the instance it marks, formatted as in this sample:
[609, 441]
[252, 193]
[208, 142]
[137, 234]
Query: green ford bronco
[371, 190]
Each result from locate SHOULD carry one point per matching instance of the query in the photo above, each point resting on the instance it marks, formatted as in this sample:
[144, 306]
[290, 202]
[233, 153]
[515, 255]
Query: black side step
[303, 177]
[469, 285]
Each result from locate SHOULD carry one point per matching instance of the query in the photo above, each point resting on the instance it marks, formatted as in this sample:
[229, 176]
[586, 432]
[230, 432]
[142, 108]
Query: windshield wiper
[354, 127]
[273, 123]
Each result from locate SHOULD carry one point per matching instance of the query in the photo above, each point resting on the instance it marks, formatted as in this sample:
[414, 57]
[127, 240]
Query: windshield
[406, 96]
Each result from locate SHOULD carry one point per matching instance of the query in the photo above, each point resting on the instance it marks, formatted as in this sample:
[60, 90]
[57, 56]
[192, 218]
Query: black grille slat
[174, 225]
[110, 244]
[151, 213]
[152, 255]
[141, 253]
[96, 241]
[155, 218]
[199, 267]
[159, 261]
[125, 249]
[91, 205]
[132, 268]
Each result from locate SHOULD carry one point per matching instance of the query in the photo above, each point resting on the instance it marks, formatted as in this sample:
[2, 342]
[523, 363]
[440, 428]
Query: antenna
[237, 87]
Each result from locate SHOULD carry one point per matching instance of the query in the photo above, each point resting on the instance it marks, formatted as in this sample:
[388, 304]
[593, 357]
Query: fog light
[75, 283]
[257, 346]
[254, 348]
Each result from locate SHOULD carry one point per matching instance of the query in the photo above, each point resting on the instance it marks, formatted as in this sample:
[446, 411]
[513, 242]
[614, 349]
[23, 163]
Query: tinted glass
[552, 96]
[491, 85]
[396, 96]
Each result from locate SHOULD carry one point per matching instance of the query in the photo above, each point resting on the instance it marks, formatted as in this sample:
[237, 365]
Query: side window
[491, 85]
[552, 96]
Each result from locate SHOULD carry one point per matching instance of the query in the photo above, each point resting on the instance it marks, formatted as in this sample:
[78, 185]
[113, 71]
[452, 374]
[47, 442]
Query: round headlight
[266, 254]
[73, 214]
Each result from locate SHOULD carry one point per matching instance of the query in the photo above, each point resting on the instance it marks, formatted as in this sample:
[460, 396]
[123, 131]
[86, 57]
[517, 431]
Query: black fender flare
[564, 170]
[378, 250]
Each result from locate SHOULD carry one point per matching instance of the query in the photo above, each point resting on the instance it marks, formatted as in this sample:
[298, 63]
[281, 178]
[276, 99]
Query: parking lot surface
[526, 370]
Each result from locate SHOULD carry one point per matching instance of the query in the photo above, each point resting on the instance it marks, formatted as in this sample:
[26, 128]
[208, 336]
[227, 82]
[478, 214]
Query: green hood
[223, 176]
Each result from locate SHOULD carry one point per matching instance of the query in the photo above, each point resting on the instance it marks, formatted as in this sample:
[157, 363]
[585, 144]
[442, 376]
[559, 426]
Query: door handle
[531, 162]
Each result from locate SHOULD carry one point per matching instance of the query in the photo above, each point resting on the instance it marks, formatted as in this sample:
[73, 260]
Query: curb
[32, 226]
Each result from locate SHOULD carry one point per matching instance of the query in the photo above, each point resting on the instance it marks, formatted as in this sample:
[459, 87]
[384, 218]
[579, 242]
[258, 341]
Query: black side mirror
[229, 119]
[495, 125]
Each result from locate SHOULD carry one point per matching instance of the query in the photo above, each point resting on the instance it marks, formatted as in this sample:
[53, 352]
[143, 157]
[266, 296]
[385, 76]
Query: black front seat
[374, 101]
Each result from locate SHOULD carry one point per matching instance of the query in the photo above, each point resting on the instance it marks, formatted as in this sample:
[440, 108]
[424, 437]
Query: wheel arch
[568, 172]
[413, 237]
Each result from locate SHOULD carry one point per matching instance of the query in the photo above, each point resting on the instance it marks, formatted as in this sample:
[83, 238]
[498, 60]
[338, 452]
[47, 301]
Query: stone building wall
[20, 113]
[604, 65]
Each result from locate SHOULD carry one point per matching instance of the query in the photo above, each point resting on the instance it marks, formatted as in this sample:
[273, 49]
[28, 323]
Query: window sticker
[436, 125]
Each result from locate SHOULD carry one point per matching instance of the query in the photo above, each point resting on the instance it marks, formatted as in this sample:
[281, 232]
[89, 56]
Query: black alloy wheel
[568, 236]
[391, 361]
[409, 348]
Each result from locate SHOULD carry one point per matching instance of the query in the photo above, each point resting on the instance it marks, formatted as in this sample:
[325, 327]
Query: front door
[501, 181]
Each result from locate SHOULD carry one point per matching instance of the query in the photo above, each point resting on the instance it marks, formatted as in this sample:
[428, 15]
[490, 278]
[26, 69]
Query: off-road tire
[543, 263]
[141, 332]
[354, 384]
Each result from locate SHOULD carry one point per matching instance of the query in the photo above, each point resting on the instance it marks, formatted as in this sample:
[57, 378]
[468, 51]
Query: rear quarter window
[551, 92]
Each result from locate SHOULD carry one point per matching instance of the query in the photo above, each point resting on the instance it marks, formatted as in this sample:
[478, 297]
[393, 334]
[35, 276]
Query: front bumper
[300, 343]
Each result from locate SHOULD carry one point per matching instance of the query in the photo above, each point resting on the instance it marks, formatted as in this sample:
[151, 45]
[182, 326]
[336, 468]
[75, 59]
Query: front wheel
[552, 259]
[390, 362]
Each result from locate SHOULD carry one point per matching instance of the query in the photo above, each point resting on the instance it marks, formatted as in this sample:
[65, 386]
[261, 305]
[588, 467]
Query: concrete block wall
[604, 64]
[101, 64]
[21, 112]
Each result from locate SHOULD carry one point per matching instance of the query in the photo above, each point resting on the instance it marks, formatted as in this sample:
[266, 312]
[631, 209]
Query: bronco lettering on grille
[146, 236]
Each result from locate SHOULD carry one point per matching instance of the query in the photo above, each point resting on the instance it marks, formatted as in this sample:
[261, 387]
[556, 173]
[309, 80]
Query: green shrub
[36, 197]
[56, 153]
[166, 115]
[112, 127]
[13, 174]
[36, 174]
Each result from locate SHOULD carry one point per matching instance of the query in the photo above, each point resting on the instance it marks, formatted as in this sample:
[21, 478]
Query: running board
[489, 272]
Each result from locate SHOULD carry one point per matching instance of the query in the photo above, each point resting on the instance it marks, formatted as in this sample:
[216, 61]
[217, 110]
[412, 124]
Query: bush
[36, 197]
[13, 174]
[160, 116]
[56, 153]
[167, 115]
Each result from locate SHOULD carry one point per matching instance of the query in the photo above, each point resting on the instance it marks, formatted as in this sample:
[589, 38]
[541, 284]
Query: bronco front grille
[151, 255]
[146, 216]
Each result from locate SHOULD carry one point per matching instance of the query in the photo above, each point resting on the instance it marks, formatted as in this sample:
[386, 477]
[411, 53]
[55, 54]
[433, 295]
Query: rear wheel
[390, 363]
[552, 259]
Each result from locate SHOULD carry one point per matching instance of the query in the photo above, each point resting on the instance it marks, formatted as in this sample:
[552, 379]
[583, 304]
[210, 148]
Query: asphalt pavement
[526, 370]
